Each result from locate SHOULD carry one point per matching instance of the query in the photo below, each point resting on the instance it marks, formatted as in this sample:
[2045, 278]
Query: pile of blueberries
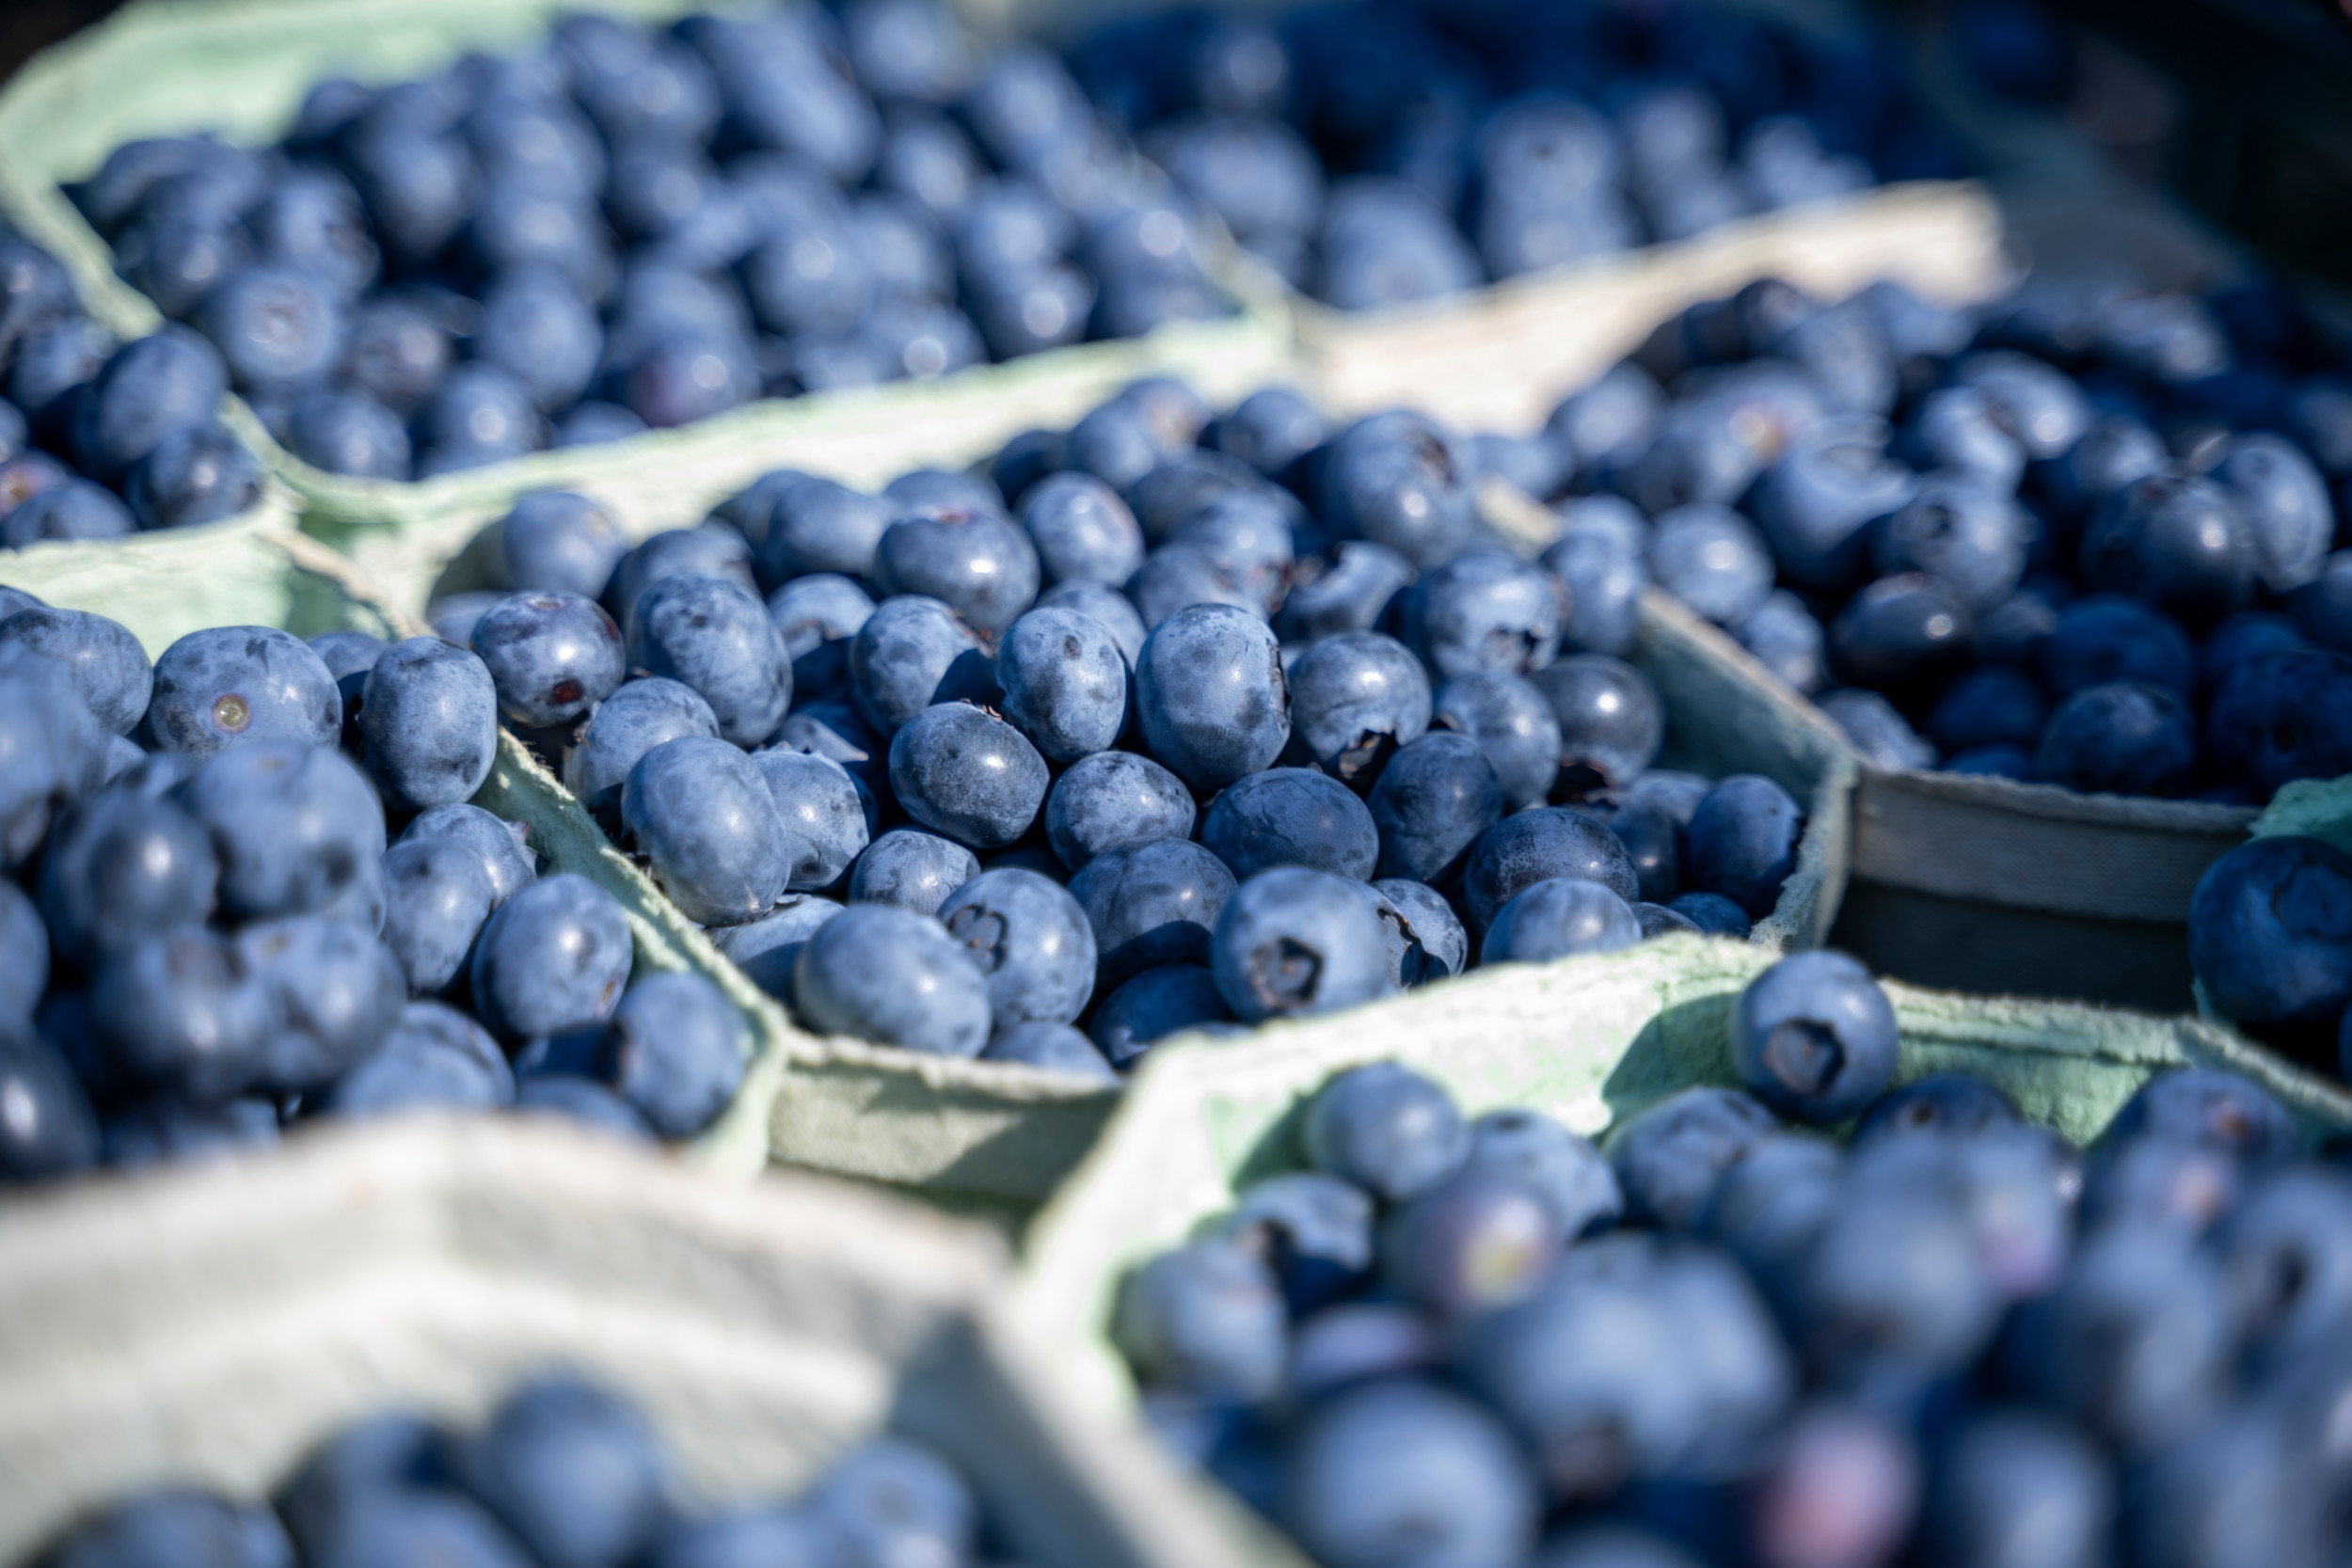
[1377, 152]
[99, 440]
[1159, 723]
[564, 1474]
[628, 228]
[2085, 537]
[1957, 1340]
[205, 935]
[2270, 935]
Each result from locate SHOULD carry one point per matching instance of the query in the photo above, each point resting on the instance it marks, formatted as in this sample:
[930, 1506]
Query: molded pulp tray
[208, 1324]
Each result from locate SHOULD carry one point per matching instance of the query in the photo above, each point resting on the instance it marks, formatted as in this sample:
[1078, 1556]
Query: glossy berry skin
[511, 865]
[194, 477]
[1354, 699]
[1712, 558]
[50, 1130]
[1110, 606]
[824, 815]
[1151, 904]
[1743, 841]
[1388, 1129]
[1153, 1006]
[1553, 919]
[2270, 931]
[1064, 681]
[1206, 1318]
[296, 827]
[1484, 610]
[1967, 538]
[714, 636]
[816, 615]
[1211, 696]
[675, 1049]
[638, 716]
[574, 1471]
[555, 955]
[964, 773]
[1110, 800]
[1512, 724]
[1644, 824]
[553, 657]
[1406, 1466]
[910, 653]
[1814, 1038]
[109, 668]
[978, 563]
[557, 541]
[2181, 545]
[1291, 816]
[1031, 939]
[911, 870]
[2211, 1109]
[767, 948]
[895, 977]
[232, 685]
[1668, 1158]
[1435, 799]
[1401, 481]
[1992, 705]
[1082, 530]
[436, 898]
[703, 814]
[1611, 720]
[429, 716]
[1298, 940]
[1604, 574]
[1535, 845]
[2121, 740]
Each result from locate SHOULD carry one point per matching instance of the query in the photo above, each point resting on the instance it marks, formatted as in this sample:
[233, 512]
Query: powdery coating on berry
[1211, 695]
[555, 955]
[1815, 1038]
[429, 716]
[893, 977]
[231, 684]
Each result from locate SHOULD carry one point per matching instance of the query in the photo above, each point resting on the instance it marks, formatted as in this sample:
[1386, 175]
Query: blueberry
[967, 774]
[1401, 481]
[395, 352]
[2285, 505]
[1814, 505]
[500, 844]
[1880, 734]
[2135, 1343]
[2104, 638]
[556, 541]
[1992, 705]
[178, 1010]
[2323, 607]
[24, 940]
[1031, 939]
[1562, 1170]
[1611, 720]
[816, 615]
[1354, 698]
[50, 1130]
[1604, 575]
[1081, 529]
[108, 666]
[147, 391]
[435, 1058]
[1155, 1004]
[714, 636]
[1712, 913]
[2123, 739]
[1901, 630]
[436, 896]
[824, 817]
[454, 617]
[743, 1537]
[334, 991]
[1646, 827]
[705, 815]
[2211, 1108]
[196, 476]
[1211, 696]
[1206, 1318]
[1433, 801]
[2270, 931]
[1742, 842]
[1388, 1129]
[1937, 1105]
[74, 509]
[1669, 1157]
[1065, 682]
[675, 1049]
[1113, 608]
[637, 717]
[1350, 591]
[1402, 1469]
[2243, 637]
[177, 1526]
[1814, 1038]
[1249, 532]
[1178, 577]
[1514, 726]
[1151, 904]
[1112, 801]
[1536, 846]
[1295, 940]
[1384, 242]
[910, 653]
[815, 525]
[429, 713]
[348, 433]
[1712, 560]
[2182, 545]
[2285, 1261]
[51, 749]
[1614, 1547]
[893, 1500]
[978, 563]
[1552, 919]
[765, 949]
[1291, 816]
[1954, 428]
[1480, 1242]
[1052, 1048]
[572, 1469]
[1270, 429]
[583, 1102]
[237, 684]
[2043, 411]
[536, 325]
[1430, 924]
[296, 827]
[1967, 538]
[551, 656]
[168, 1129]
[554, 955]
[893, 976]
[707, 552]
[911, 870]
[2283, 716]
